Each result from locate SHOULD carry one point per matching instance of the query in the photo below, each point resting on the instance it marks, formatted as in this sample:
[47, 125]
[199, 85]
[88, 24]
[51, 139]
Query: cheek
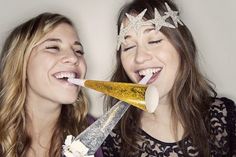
[39, 66]
[33, 68]
[128, 67]
[83, 67]
[36, 73]
[170, 58]
[126, 61]
[174, 62]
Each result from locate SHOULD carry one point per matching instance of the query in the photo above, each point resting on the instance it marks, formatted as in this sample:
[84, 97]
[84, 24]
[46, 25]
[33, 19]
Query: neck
[160, 123]
[42, 117]
[42, 113]
[163, 110]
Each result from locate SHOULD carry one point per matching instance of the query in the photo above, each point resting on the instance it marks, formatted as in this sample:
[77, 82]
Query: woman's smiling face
[150, 51]
[57, 56]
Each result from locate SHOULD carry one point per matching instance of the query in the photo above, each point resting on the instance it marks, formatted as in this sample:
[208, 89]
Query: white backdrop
[212, 23]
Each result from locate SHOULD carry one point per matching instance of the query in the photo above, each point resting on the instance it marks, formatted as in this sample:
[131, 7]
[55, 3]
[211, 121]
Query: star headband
[136, 22]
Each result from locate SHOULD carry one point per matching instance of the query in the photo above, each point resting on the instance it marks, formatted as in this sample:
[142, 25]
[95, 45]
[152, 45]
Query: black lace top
[222, 143]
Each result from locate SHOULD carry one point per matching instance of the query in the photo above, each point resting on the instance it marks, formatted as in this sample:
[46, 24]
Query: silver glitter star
[174, 15]
[135, 22]
[121, 36]
[159, 21]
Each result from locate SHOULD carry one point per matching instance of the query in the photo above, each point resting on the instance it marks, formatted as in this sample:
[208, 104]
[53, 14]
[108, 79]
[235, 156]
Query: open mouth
[63, 76]
[154, 71]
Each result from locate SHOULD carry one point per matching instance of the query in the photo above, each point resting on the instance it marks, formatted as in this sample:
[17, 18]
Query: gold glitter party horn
[137, 95]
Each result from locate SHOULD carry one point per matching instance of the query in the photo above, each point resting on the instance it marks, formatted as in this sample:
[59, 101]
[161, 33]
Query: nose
[142, 55]
[69, 57]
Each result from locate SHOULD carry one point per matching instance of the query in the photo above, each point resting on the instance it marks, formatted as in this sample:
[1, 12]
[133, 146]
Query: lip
[153, 78]
[64, 81]
[77, 73]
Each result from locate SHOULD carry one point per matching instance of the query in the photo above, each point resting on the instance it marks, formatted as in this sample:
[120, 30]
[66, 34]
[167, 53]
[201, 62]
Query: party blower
[138, 95]
[87, 142]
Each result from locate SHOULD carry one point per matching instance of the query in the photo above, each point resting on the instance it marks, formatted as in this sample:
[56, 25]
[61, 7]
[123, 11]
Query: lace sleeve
[111, 146]
[231, 118]
[223, 127]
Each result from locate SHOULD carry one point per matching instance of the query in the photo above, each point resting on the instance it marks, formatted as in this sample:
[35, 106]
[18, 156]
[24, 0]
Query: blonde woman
[38, 107]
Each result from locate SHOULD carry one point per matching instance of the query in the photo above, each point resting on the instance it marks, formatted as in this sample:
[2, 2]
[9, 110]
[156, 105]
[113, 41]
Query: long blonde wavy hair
[15, 141]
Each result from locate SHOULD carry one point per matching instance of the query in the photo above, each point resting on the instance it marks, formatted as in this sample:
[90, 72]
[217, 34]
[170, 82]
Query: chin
[67, 103]
[68, 100]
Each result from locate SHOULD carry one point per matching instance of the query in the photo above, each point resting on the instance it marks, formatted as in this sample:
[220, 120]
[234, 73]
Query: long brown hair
[191, 92]
[14, 137]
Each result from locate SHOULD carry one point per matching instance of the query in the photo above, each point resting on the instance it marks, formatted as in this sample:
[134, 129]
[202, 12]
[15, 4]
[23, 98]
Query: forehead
[62, 32]
[63, 29]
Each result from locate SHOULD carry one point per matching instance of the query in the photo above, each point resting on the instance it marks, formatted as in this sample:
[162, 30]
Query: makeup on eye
[150, 36]
[78, 48]
[56, 45]
[155, 41]
[128, 48]
[80, 52]
[128, 44]
[52, 48]
[56, 48]
[51, 45]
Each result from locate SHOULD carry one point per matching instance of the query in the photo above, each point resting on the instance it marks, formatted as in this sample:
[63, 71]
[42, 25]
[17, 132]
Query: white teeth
[61, 75]
[149, 71]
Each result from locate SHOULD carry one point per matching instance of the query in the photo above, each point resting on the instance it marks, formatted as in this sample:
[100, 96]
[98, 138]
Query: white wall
[212, 22]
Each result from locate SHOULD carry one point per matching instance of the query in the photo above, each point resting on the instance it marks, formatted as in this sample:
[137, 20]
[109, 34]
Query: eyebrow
[60, 41]
[51, 39]
[148, 30]
[145, 32]
[78, 43]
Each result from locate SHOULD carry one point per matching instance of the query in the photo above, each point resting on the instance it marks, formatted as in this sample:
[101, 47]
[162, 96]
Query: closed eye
[128, 48]
[79, 52]
[53, 48]
[155, 41]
